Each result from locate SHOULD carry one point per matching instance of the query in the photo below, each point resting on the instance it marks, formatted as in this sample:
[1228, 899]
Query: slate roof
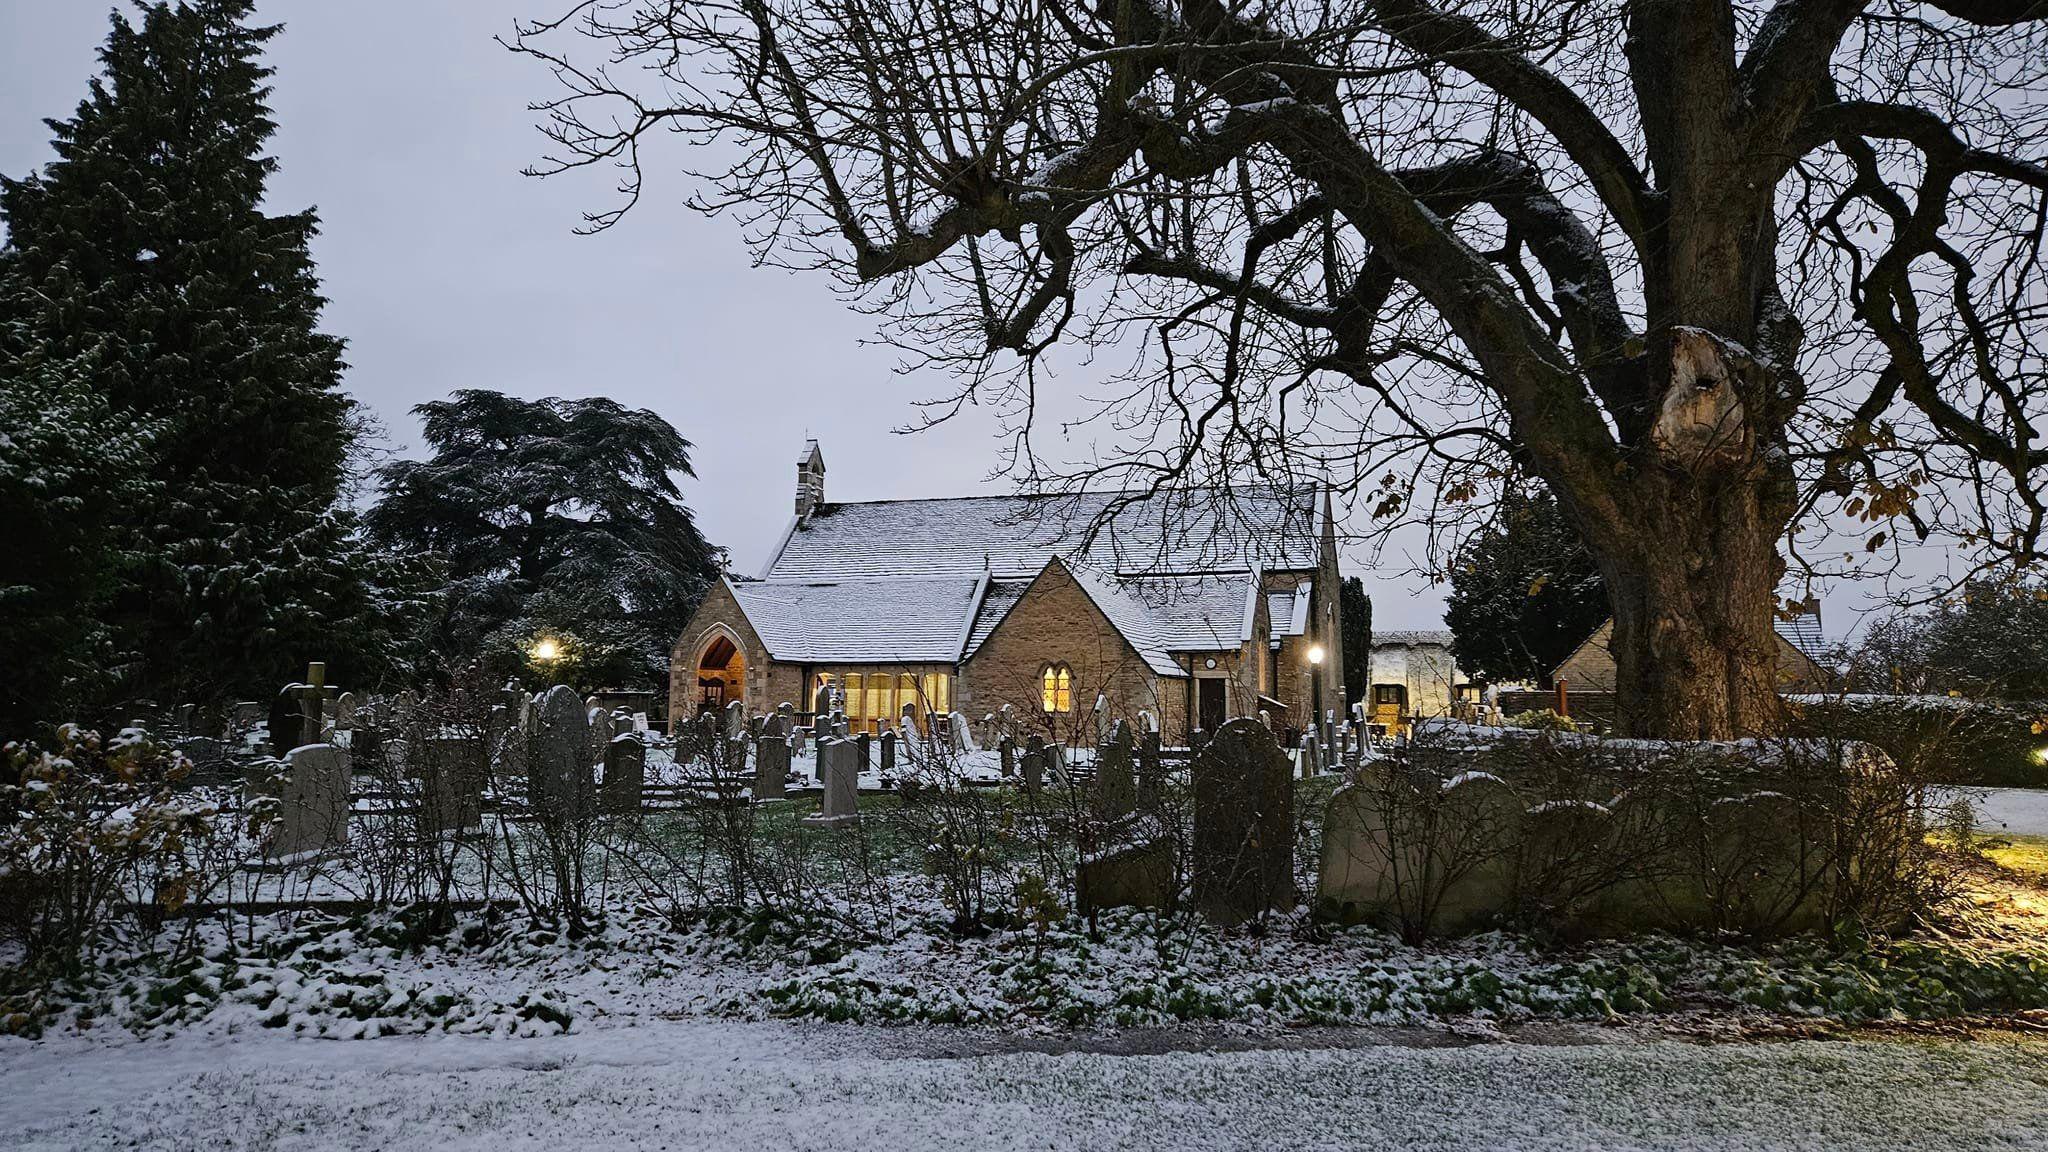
[1013, 536]
[1167, 614]
[915, 620]
[1288, 610]
[928, 581]
[1440, 636]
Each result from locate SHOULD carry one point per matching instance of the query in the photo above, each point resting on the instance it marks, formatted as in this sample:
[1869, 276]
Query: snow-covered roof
[1161, 615]
[1002, 595]
[1287, 610]
[911, 620]
[1413, 638]
[1012, 537]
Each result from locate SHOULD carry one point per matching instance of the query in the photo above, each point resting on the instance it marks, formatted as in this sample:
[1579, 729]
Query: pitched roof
[1412, 637]
[1288, 610]
[1161, 615]
[914, 620]
[1011, 537]
[1002, 595]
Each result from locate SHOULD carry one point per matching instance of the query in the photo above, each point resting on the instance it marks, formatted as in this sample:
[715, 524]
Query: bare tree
[1731, 278]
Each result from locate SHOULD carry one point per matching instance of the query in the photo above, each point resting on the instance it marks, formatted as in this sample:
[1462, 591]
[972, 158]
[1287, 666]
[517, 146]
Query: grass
[2025, 855]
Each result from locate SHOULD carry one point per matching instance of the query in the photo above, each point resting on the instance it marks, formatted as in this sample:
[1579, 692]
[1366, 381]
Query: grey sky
[406, 126]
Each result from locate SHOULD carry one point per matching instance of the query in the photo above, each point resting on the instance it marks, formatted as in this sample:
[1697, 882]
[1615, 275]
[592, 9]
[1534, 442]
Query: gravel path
[716, 1085]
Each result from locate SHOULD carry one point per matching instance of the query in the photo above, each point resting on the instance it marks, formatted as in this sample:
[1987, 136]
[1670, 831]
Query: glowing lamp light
[2041, 755]
[1315, 654]
[546, 650]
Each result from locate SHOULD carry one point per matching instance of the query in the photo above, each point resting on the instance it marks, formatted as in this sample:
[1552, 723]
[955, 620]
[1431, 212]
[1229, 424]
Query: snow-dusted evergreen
[143, 261]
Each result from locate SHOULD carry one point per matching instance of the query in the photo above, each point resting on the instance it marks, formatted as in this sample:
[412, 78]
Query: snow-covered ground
[727, 1085]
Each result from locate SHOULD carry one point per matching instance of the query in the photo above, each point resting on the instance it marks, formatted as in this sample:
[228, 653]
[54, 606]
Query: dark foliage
[556, 519]
[1356, 609]
[1524, 593]
[142, 262]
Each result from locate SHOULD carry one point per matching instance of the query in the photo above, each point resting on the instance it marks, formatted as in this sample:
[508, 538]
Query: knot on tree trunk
[1701, 420]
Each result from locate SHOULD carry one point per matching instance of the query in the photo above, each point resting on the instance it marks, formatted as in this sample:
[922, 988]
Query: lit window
[853, 696]
[938, 692]
[1056, 688]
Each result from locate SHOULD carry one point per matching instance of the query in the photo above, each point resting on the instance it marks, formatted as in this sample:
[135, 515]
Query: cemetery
[498, 861]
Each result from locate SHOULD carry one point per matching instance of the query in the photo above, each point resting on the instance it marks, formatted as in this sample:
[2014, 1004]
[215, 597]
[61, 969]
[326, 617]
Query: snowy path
[718, 1085]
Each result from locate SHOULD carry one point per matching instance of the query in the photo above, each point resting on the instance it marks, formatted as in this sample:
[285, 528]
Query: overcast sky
[407, 126]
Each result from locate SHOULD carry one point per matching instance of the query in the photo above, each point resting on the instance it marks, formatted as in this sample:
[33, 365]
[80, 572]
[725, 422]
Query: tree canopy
[1733, 279]
[143, 288]
[553, 519]
[1524, 593]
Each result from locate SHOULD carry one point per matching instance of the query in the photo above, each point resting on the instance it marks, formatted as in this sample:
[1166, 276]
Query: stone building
[1591, 668]
[1196, 608]
[1413, 676]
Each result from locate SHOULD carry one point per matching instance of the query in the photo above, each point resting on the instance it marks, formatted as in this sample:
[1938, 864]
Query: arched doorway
[721, 674]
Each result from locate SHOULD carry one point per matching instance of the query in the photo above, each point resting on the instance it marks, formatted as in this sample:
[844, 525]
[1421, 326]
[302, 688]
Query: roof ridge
[1269, 486]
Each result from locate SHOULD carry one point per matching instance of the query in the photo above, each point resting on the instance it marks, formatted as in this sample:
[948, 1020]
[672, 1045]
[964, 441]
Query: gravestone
[771, 764]
[908, 718]
[1311, 757]
[839, 769]
[1151, 768]
[1244, 824]
[1115, 783]
[1138, 874]
[295, 717]
[558, 773]
[452, 771]
[208, 755]
[1198, 740]
[313, 810]
[889, 752]
[1034, 764]
[247, 714]
[735, 721]
[1101, 718]
[863, 746]
[625, 767]
[344, 711]
[1006, 755]
[599, 722]
[821, 706]
[186, 718]
[956, 731]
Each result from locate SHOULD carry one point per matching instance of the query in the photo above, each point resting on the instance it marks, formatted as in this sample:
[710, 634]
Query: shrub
[96, 822]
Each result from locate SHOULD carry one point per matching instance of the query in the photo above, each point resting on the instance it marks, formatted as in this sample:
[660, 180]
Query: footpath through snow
[733, 1085]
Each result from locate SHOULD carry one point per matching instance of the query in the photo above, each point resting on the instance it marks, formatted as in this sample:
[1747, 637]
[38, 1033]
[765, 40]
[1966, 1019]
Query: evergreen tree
[1356, 608]
[1524, 593]
[143, 251]
[556, 519]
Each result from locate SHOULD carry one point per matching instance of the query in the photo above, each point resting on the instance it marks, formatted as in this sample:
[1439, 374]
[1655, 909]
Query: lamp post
[1315, 660]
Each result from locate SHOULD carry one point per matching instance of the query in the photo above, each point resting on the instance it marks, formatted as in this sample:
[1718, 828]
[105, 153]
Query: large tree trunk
[1686, 536]
[1694, 605]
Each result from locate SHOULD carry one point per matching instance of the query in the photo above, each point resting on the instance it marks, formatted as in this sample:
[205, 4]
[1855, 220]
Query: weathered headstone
[295, 717]
[957, 732]
[865, 748]
[735, 720]
[771, 764]
[839, 769]
[452, 771]
[313, 810]
[1006, 755]
[1034, 764]
[625, 767]
[1151, 768]
[1244, 824]
[186, 718]
[821, 706]
[1311, 757]
[344, 710]
[1115, 778]
[1134, 874]
[908, 717]
[888, 752]
[558, 771]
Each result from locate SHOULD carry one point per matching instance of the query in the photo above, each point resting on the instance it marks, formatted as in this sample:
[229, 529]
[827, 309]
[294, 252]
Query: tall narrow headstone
[889, 752]
[625, 767]
[1006, 755]
[558, 772]
[1115, 778]
[771, 763]
[1244, 825]
[1034, 763]
[1151, 768]
[956, 730]
[839, 769]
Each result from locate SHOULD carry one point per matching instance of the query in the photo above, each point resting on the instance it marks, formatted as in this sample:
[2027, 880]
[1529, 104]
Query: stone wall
[767, 683]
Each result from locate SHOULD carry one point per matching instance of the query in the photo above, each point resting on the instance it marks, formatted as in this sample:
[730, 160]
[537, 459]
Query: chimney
[810, 481]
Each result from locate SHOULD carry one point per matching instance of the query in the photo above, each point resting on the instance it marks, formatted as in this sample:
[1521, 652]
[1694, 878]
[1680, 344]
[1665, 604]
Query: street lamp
[546, 650]
[1315, 659]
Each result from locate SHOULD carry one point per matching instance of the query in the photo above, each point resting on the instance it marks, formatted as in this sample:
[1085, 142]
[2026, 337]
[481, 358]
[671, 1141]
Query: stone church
[1195, 608]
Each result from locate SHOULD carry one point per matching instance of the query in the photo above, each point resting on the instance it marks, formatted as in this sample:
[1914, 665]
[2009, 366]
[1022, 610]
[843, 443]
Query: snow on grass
[702, 1084]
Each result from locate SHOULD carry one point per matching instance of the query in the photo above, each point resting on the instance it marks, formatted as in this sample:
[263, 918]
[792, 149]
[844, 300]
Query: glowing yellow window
[1056, 688]
[853, 697]
[938, 691]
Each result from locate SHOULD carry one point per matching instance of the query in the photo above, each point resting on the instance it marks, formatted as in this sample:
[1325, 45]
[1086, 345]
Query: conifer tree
[144, 251]
[1524, 592]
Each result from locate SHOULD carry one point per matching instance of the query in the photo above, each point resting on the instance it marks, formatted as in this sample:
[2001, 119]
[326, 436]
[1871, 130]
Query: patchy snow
[724, 1085]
